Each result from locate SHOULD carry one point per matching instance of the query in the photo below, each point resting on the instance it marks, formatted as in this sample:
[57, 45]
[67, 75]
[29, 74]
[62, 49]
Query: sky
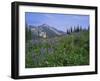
[58, 21]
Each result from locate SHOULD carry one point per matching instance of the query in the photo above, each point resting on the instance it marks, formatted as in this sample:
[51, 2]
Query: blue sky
[59, 21]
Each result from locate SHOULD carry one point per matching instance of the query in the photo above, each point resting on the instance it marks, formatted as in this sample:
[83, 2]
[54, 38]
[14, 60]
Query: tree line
[76, 29]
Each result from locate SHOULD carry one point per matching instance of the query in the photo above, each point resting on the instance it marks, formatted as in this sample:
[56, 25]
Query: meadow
[65, 50]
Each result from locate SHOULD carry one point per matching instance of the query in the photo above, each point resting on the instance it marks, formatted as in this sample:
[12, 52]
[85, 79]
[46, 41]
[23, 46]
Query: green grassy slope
[70, 50]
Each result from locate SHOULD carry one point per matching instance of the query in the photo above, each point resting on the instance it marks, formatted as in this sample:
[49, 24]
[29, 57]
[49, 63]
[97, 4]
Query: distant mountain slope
[46, 29]
[52, 29]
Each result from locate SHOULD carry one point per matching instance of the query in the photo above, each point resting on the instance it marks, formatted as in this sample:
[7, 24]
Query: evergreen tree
[80, 29]
[88, 28]
[28, 33]
[67, 31]
[71, 30]
[77, 29]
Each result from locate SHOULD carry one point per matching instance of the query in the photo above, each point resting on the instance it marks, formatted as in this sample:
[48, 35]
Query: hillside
[66, 50]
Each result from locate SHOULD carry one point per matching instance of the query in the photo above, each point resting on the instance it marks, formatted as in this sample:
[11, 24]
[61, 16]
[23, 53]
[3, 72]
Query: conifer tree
[28, 33]
[71, 30]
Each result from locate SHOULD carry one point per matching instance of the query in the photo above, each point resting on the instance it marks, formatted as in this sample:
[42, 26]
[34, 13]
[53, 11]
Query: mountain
[45, 29]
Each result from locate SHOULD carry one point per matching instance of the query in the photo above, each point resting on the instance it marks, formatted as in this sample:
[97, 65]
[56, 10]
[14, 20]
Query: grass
[68, 50]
